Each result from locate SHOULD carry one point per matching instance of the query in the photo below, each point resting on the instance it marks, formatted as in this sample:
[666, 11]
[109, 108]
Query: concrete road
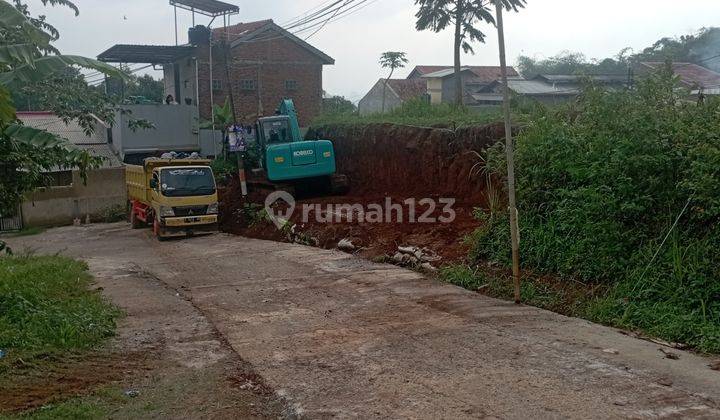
[338, 336]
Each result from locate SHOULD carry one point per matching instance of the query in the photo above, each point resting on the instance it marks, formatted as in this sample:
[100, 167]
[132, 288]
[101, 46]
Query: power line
[328, 20]
[319, 14]
[101, 80]
[349, 12]
[306, 13]
[315, 22]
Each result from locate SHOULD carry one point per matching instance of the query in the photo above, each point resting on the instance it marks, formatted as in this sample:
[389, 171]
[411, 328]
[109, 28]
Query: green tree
[463, 16]
[28, 57]
[573, 63]
[702, 48]
[147, 87]
[391, 60]
[337, 105]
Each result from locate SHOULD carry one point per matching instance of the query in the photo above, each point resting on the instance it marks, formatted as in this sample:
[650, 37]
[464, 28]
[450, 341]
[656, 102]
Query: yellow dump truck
[176, 197]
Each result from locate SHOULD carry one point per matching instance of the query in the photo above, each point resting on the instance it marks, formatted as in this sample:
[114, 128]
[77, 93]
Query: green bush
[600, 184]
[223, 167]
[45, 306]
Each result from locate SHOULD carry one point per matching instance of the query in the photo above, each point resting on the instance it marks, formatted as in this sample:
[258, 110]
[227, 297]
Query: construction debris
[346, 245]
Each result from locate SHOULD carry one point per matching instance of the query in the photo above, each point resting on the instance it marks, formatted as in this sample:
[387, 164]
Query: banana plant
[28, 151]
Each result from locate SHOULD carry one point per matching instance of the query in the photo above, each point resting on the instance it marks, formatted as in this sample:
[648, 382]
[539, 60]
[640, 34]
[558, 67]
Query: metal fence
[11, 223]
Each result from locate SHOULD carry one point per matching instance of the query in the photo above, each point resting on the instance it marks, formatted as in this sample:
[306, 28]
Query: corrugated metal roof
[486, 73]
[599, 78]
[540, 87]
[487, 97]
[151, 54]
[97, 143]
[691, 75]
[443, 73]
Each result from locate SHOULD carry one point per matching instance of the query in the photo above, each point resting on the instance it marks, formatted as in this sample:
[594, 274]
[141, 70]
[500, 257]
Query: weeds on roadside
[46, 307]
[113, 214]
[568, 299]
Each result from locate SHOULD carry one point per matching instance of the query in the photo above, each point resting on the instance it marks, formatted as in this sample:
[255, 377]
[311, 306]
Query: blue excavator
[288, 161]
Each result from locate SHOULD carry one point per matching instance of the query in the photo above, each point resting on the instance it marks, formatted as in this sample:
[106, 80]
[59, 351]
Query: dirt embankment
[387, 162]
[410, 161]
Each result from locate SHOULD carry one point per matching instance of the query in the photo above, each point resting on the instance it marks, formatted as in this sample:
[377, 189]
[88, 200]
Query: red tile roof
[692, 75]
[239, 29]
[486, 73]
[408, 89]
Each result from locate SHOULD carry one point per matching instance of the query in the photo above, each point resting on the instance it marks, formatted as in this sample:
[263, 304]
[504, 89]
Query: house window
[216, 85]
[291, 85]
[59, 179]
[247, 84]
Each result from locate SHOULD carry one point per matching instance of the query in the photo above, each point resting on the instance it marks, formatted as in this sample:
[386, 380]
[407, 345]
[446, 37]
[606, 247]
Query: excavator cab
[275, 129]
[285, 156]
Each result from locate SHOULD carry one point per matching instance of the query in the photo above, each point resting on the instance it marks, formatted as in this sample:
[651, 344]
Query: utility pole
[514, 228]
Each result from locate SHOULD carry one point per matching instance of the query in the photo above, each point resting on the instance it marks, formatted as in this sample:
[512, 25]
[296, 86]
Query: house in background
[441, 81]
[547, 89]
[692, 76]
[435, 83]
[67, 197]
[398, 92]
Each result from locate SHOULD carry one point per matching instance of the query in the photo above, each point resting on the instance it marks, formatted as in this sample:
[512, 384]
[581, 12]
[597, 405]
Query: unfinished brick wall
[261, 74]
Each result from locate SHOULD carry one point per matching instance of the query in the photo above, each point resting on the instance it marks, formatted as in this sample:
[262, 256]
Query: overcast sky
[544, 28]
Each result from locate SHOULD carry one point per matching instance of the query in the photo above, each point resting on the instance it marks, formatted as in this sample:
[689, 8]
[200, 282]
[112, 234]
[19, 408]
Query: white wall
[371, 103]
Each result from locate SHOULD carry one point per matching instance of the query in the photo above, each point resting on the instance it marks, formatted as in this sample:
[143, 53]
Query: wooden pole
[514, 228]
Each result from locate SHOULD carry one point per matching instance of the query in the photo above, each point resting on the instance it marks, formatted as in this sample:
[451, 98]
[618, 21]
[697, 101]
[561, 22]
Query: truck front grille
[185, 211]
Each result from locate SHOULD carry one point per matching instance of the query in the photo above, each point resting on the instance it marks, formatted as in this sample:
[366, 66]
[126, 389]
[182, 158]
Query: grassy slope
[620, 193]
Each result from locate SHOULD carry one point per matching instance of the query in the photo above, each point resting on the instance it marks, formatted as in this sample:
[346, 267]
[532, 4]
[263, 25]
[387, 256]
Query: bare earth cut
[318, 333]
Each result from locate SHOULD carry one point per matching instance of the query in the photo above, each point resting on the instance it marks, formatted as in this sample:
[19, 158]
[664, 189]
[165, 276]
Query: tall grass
[46, 307]
[416, 112]
[600, 186]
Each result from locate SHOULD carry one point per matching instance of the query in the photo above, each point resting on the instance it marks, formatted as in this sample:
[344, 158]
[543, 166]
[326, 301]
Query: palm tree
[391, 60]
[463, 15]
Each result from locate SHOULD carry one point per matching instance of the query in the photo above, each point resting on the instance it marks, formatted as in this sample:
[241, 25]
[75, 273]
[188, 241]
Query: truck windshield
[183, 182]
[277, 131]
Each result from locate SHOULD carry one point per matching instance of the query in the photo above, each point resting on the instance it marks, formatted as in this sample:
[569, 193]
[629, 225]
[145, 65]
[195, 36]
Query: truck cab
[176, 197]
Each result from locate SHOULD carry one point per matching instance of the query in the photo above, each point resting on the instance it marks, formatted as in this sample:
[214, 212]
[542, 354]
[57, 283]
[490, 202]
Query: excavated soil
[386, 162]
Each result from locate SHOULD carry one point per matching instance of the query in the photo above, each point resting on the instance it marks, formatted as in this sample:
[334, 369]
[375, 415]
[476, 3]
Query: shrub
[601, 183]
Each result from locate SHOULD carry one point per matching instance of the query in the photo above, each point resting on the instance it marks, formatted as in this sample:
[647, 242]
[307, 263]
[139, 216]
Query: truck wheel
[135, 223]
[156, 229]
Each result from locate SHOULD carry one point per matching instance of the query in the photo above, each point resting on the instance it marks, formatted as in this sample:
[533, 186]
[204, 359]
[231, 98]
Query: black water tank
[199, 35]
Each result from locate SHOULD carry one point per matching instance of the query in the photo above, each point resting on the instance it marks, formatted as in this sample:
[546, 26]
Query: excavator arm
[287, 108]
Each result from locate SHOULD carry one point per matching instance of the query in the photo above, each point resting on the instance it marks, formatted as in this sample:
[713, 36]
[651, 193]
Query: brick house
[265, 64]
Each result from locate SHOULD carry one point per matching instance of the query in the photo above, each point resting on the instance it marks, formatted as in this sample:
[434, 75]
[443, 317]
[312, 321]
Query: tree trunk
[459, 13]
[385, 89]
